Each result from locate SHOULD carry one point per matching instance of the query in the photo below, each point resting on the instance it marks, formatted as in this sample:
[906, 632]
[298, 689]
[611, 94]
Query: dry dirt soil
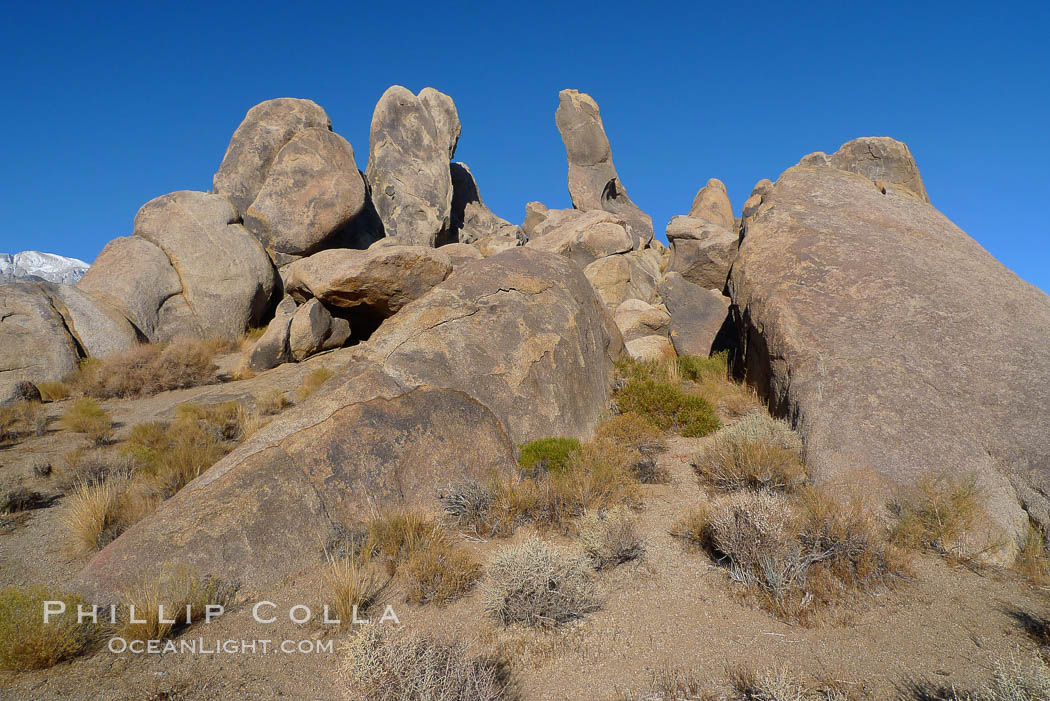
[672, 608]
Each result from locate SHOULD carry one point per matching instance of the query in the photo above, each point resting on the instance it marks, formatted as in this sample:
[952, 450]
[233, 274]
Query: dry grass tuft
[1033, 560]
[351, 588]
[87, 417]
[53, 391]
[409, 544]
[149, 607]
[172, 455]
[312, 382]
[148, 369]
[610, 537]
[401, 666]
[26, 642]
[22, 419]
[536, 584]
[441, 573]
[939, 514]
[91, 514]
[757, 452]
[674, 684]
[272, 402]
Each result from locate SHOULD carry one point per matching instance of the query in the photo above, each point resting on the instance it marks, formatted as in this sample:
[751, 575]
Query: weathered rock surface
[650, 349]
[637, 319]
[135, 277]
[272, 348]
[35, 345]
[699, 317]
[312, 190]
[311, 330]
[443, 111]
[701, 251]
[226, 277]
[523, 333]
[712, 204]
[255, 144]
[384, 278]
[886, 162]
[264, 512]
[471, 219]
[897, 344]
[461, 254]
[97, 328]
[522, 342]
[593, 182]
[408, 164]
[632, 275]
[583, 237]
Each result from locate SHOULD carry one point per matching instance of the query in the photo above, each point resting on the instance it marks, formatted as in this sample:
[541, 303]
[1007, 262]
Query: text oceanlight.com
[200, 646]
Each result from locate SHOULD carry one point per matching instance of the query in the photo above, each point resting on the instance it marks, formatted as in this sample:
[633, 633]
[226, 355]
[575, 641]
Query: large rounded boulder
[896, 343]
[411, 140]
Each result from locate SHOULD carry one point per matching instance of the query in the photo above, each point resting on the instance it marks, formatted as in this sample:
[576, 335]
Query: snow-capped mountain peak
[34, 265]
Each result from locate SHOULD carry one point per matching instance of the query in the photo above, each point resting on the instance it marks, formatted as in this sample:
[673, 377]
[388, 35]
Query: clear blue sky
[106, 106]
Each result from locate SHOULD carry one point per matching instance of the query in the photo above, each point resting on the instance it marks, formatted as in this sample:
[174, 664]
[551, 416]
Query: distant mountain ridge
[37, 266]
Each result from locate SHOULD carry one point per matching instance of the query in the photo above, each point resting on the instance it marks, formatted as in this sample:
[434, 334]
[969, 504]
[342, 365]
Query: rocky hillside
[895, 346]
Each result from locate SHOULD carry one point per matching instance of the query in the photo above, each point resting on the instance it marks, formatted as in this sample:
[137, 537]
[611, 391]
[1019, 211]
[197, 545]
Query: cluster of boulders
[892, 341]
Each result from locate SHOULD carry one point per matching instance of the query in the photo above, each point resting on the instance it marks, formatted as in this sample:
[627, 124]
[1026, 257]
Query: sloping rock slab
[265, 511]
[894, 341]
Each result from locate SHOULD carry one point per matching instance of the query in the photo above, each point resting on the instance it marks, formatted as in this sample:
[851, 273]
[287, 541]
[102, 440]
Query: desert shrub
[23, 499]
[794, 554]
[54, 391]
[757, 452]
[549, 454]
[536, 584]
[21, 419]
[402, 666]
[610, 537]
[26, 642]
[42, 468]
[938, 514]
[642, 439]
[469, 505]
[147, 369]
[440, 573]
[351, 588]
[1018, 678]
[87, 417]
[182, 594]
[94, 466]
[312, 382]
[668, 407]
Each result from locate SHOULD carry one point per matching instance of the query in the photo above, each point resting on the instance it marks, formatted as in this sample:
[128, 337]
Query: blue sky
[106, 106]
